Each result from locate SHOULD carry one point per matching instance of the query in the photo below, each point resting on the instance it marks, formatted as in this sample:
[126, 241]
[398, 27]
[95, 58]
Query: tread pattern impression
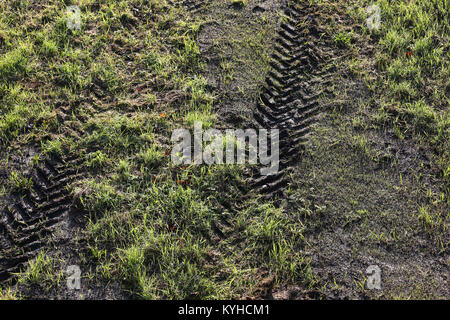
[289, 99]
[28, 224]
[288, 102]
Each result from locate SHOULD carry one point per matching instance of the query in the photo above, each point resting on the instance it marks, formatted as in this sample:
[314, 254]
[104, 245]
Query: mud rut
[288, 102]
[30, 222]
[46, 215]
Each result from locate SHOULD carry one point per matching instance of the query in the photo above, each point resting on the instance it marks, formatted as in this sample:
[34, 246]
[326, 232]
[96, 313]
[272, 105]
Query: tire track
[46, 212]
[288, 102]
[27, 225]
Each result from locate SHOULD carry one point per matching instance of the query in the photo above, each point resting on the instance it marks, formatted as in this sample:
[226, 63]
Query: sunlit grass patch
[205, 117]
[15, 62]
[41, 270]
[20, 183]
[7, 294]
[151, 156]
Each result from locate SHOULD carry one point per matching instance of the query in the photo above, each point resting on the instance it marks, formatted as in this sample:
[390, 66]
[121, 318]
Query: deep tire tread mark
[28, 224]
[287, 101]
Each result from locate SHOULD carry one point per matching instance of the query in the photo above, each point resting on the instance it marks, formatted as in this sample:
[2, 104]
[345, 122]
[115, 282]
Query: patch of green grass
[105, 74]
[433, 221]
[151, 157]
[97, 159]
[15, 62]
[41, 270]
[52, 147]
[189, 54]
[7, 294]
[273, 238]
[116, 132]
[97, 197]
[205, 117]
[344, 39]
[20, 183]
